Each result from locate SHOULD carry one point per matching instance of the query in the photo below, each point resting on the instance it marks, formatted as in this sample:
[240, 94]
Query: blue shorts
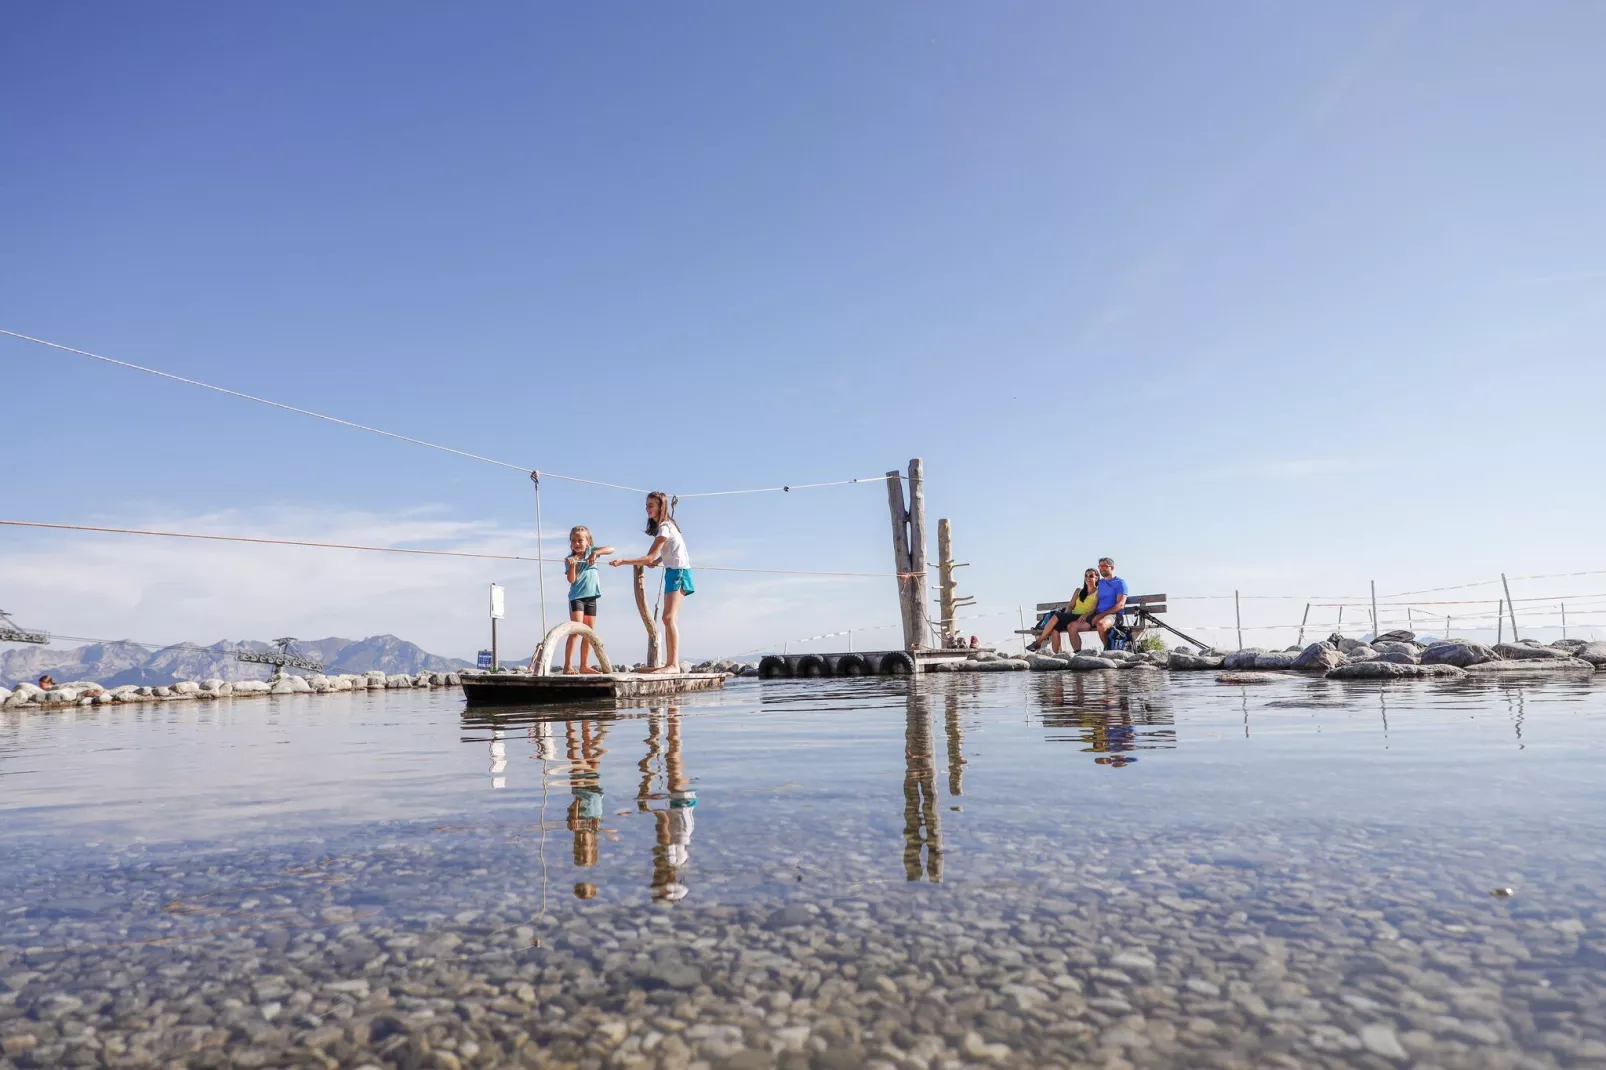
[679, 579]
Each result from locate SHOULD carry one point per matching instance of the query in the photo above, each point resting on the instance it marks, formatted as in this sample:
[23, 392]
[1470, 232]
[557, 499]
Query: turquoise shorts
[679, 579]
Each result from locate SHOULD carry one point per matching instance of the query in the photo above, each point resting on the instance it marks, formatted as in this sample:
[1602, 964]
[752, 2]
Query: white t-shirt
[674, 553]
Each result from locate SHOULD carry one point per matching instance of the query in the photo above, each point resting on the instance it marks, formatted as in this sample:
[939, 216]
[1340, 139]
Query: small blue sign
[485, 659]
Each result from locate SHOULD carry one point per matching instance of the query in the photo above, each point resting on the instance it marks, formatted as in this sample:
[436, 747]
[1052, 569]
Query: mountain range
[116, 664]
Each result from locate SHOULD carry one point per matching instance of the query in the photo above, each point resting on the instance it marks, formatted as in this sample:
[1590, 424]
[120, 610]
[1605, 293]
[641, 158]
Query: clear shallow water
[1013, 868]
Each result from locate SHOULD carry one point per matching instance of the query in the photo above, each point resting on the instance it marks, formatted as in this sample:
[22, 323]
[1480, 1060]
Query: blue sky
[1279, 298]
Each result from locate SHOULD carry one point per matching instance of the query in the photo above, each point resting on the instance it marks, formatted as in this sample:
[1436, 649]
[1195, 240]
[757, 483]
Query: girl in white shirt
[668, 549]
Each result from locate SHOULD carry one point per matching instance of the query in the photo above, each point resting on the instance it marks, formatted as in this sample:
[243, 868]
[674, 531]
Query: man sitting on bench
[1112, 599]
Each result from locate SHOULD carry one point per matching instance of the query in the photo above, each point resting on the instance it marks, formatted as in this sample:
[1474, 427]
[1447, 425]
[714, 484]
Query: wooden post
[1237, 612]
[1302, 620]
[1510, 608]
[1374, 609]
[945, 575]
[900, 550]
[653, 652]
[920, 613]
[1499, 622]
[1564, 620]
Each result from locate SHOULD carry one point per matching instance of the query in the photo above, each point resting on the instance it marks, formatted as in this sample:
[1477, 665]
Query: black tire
[852, 665]
[898, 663]
[809, 666]
[774, 667]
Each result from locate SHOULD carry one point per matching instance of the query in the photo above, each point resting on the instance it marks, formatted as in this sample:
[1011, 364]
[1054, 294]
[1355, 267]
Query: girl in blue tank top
[585, 587]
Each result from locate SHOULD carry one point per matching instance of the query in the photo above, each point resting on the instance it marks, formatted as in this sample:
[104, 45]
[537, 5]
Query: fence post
[1020, 611]
[1564, 620]
[1511, 609]
[1447, 626]
[1374, 609]
[1499, 622]
[1302, 620]
[1237, 613]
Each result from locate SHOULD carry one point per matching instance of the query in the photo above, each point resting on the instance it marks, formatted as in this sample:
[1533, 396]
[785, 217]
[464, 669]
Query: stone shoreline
[1392, 655]
[87, 693]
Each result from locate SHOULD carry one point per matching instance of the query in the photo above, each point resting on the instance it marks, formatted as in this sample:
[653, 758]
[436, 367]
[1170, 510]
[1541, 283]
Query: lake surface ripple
[1115, 869]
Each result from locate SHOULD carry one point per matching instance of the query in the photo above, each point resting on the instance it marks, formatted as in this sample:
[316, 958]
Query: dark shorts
[1061, 619]
[588, 606]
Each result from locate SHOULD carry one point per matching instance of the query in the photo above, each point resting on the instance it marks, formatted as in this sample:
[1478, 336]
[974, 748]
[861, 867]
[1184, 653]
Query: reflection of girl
[669, 549]
[673, 827]
[585, 784]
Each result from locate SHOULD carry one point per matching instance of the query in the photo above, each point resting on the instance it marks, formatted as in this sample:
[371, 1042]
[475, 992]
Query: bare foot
[586, 670]
[568, 671]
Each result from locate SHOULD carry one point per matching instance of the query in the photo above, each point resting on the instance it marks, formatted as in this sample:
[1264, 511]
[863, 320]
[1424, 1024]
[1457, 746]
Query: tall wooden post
[920, 612]
[646, 617]
[900, 548]
[945, 576]
[909, 553]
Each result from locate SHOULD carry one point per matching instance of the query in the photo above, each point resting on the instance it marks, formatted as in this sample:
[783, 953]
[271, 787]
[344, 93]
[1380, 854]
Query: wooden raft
[521, 689]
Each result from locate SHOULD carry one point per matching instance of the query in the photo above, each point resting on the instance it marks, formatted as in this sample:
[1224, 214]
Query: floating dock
[523, 689]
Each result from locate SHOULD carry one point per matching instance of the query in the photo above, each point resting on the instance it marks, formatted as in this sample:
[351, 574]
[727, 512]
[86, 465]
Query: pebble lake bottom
[1019, 869]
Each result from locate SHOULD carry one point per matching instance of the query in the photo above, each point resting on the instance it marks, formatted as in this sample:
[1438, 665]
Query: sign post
[497, 609]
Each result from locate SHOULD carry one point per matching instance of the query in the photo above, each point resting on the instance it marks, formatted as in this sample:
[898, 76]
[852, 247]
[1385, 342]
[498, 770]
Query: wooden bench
[1134, 619]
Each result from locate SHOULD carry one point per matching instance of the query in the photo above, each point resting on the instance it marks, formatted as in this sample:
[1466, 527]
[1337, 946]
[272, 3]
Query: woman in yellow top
[1080, 607]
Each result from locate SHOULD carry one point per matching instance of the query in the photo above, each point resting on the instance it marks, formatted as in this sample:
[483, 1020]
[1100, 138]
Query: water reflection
[922, 828]
[1111, 722]
[674, 823]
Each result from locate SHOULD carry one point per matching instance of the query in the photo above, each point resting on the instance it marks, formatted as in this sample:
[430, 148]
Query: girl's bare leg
[672, 602]
[585, 650]
[568, 648]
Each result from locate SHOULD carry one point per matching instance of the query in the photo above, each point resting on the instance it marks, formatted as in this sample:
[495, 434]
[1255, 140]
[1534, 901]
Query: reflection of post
[498, 759]
[546, 744]
[922, 830]
[673, 827]
[956, 743]
[655, 748]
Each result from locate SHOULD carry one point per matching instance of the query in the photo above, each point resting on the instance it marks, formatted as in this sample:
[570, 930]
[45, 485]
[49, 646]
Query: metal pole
[1020, 611]
[1340, 620]
[850, 640]
[1374, 609]
[1237, 612]
[1302, 620]
[1499, 623]
[1447, 627]
[496, 666]
[1564, 620]
[1511, 609]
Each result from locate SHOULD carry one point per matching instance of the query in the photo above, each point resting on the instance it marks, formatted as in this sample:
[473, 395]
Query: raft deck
[520, 689]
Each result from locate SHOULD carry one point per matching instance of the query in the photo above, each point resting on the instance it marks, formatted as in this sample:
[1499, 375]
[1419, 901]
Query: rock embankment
[1398, 655]
[87, 693]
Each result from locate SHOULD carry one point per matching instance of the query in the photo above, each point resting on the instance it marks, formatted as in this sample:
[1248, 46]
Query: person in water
[585, 587]
[1079, 608]
[668, 549]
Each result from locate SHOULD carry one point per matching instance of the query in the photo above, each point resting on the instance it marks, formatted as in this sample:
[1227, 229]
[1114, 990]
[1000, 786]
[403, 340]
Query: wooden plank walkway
[519, 689]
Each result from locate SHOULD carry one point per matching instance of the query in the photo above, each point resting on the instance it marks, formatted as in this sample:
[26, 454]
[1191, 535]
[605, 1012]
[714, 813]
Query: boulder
[1090, 663]
[17, 698]
[212, 684]
[376, 678]
[455, 680]
[1045, 663]
[1399, 657]
[281, 686]
[104, 699]
[1320, 656]
[1398, 636]
[340, 683]
[1533, 666]
[1390, 646]
[252, 687]
[319, 683]
[161, 692]
[1572, 646]
[1242, 659]
[33, 692]
[1186, 661]
[996, 664]
[1347, 645]
[1381, 669]
[223, 689]
[299, 685]
[423, 679]
[747, 670]
[1530, 652]
[126, 692]
[930, 666]
[1276, 659]
[62, 694]
[1594, 653]
[398, 680]
[1459, 653]
[983, 655]
[186, 687]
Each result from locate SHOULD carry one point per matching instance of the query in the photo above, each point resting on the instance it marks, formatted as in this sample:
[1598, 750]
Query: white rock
[318, 682]
[453, 680]
[281, 686]
[5, 693]
[1380, 1040]
[376, 678]
[17, 698]
[340, 683]
[62, 694]
[186, 687]
[299, 685]
[421, 680]
[399, 680]
[252, 687]
[25, 688]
